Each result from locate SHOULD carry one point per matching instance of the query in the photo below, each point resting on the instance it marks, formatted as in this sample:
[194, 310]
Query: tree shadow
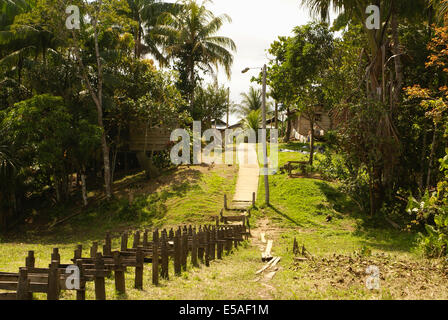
[277, 211]
[100, 217]
[373, 234]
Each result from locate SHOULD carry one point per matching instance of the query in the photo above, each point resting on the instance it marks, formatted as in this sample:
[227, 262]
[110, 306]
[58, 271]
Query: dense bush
[432, 211]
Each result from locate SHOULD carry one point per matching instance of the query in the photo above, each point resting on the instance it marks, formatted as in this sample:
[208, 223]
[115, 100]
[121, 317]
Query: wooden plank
[266, 255]
[38, 287]
[277, 260]
[9, 277]
[8, 285]
[8, 296]
[267, 265]
[234, 218]
[270, 275]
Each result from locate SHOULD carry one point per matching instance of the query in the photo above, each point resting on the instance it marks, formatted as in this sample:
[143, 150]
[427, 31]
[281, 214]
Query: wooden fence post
[30, 260]
[107, 248]
[81, 293]
[23, 285]
[207, 247]
[225, 202]
[53, 281]
[253, 199]
[136, 240]
[93, 250]
[228, 241]
[139, 259]
[212, 243]
[124, 242]
[55, 256]
[99, 275]
[194, 249]
[155, 262]
[78, 252]
[165, 257]
[184, 249]
[120, 284]
[177, 254]
[200, 237]
[219, 234]
[155, 235]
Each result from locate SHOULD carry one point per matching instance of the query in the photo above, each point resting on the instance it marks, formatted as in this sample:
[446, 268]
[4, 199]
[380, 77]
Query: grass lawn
[340, 250]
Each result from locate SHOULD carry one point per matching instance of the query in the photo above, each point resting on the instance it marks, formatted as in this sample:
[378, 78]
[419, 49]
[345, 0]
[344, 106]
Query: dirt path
[260, 236]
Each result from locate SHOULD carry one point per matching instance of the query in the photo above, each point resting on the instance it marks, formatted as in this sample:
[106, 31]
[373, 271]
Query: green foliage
[190, 38]
[432, 210]
[210, 104]
[251, 101]
[42, 126]
[253, 120]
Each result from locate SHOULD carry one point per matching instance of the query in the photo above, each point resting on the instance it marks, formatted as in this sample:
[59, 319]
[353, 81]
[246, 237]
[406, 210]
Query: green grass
[302, 205]
[299, 209]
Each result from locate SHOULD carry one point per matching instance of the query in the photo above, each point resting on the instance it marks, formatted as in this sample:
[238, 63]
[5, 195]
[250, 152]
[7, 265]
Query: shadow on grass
[277, 211]
[115, 216]
[373, 233]
[387, 239]
[339, 201]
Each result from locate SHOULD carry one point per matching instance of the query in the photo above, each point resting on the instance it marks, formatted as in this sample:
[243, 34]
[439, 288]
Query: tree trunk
[288, 126]
[99, 104]
[312, 143]
[84, 188]
[276, 115]
[192, 83]
[97, 99]
[397, 53]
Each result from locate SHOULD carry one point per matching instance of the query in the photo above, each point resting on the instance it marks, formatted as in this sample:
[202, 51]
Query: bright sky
[255, 25]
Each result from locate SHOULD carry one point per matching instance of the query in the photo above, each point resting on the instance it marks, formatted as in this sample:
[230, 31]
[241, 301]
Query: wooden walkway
[248, 175]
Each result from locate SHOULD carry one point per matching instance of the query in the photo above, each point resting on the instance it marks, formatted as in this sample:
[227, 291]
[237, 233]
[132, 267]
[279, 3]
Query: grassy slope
[189, 195]
[299, 208]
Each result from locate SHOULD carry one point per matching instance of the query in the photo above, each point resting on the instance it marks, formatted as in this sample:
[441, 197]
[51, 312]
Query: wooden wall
[301, 125]
[157, 139]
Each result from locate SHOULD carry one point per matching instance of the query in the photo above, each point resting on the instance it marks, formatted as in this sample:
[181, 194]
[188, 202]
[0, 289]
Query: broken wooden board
[275, 261]
[266, 255]
[266, 266]
[262, 237]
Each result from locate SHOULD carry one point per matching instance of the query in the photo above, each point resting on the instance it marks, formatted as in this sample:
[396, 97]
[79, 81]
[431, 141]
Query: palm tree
[251, 101]
[146, 14]
[21, 44]
[190, 36]
[391, 11]
[253, 120]
[440, 7]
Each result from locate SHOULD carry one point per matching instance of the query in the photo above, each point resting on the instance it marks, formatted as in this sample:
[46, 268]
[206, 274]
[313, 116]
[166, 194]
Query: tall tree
[250, 101]
[307, 57]
[190, 37]
[146, 15]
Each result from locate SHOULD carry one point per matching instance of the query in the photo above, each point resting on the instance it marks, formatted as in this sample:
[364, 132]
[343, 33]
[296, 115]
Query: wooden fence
[200, 245]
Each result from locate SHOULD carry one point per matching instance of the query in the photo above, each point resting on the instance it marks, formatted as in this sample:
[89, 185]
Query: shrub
[433, 211]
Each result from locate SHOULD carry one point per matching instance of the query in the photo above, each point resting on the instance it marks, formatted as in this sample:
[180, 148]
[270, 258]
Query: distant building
[301, 129]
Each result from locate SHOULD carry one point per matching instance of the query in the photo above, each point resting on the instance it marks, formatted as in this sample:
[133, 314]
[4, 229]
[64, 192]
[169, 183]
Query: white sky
[255, 25]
